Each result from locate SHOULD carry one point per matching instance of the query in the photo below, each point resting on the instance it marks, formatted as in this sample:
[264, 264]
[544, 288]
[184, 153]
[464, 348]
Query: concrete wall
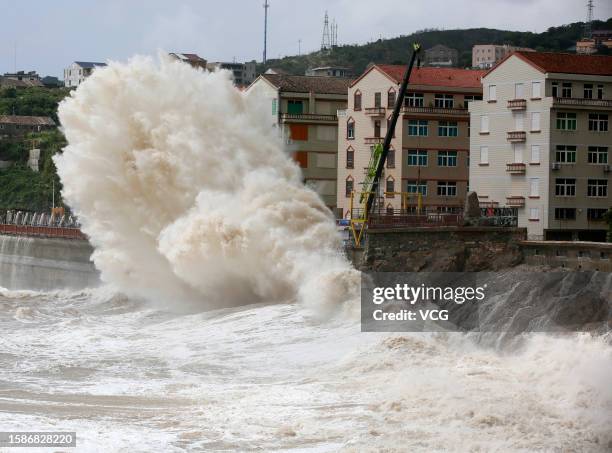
[46, 264]
[595, 256]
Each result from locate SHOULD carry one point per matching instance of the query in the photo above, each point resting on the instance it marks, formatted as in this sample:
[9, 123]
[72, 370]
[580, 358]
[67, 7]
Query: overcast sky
[49, 35]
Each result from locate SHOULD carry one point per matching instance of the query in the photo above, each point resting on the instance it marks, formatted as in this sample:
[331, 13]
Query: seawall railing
[35, 224]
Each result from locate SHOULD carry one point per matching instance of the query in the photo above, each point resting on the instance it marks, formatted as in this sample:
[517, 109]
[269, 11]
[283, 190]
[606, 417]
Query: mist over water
[186, 193]
[189, 200]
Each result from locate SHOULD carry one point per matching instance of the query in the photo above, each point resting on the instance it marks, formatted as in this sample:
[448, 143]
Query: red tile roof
[568, 62]
[305, 84]
[443, 77]
[27, 120]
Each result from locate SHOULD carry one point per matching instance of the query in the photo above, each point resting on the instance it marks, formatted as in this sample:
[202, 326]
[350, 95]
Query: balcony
[516, 168]
[435, 112]
[375, 111]
[581, 103]
[516, 136]
[517, 104]
[515, 202]
[373, 140]
[308, 118]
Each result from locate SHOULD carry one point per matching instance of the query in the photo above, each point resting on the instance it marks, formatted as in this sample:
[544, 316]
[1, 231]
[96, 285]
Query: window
[301, 157]
[448, 129]
[555, 89]
[348, 187]
[417, 158]
[534, 214]
[443, 101]
[596, 214]
[299, 132]
[534, 187]
[566, 121]
[357, 100]
[447, 158]
[484, 123]
[417, 127]
[598, 122]
[565, 187]
[274, 106]
[350, 158]
[492, 93]
[484, 155]
[390, 187]
[565, 154]
[566, 90]
[597, 188]
[377, 128]
[350, 129]
[599, 91]
[391, 159]
[414, 100]
[295, 107]
[588, 91]
[417, 187]
[536, 90]
[377, 100]
[565, 213]
[598, 155]
[519, 121]
[391, 98]
[518, 91]
[447, 189]
[469, 98]
[535, 154]
[535, 121]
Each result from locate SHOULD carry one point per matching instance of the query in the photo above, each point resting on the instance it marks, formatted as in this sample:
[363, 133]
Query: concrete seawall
[46, 263]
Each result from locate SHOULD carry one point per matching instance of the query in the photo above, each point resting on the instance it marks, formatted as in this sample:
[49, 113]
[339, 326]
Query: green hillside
[394, 51]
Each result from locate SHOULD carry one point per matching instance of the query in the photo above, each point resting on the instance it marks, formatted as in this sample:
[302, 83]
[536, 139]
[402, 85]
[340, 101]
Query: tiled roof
[89, 64]
[23, 120]
[440, 77]
[188, 56]
[306, 84]
[568, 62]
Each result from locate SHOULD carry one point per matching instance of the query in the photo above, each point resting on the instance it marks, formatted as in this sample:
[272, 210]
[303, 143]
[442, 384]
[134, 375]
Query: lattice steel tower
[587, 26]
[326, 40]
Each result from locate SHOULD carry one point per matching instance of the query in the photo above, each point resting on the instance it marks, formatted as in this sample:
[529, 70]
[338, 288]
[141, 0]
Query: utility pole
[266, 6]
[299, 47]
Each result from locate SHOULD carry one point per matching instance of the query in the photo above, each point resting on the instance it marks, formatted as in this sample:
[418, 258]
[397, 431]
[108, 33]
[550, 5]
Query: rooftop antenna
[326, 40]
[587, 25]
[266, 5]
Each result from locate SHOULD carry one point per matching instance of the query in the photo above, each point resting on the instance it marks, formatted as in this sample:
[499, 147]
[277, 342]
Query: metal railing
[517, 104]
[24, 223]
[376, 111]
[606, 103]
[436, 110]
[42, 231]
[434, 219]
[309, 117]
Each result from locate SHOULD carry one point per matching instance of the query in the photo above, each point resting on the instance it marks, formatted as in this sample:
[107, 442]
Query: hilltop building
[599, 39]
[441, 56]
[17, 126]
[430, 151]
[541, 142]
[244, 73]
[305, 111]
[329, 71]
[485, 56]
[77, 72]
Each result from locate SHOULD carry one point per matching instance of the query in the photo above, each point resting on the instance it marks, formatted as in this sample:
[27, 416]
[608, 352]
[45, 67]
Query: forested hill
[396, 50]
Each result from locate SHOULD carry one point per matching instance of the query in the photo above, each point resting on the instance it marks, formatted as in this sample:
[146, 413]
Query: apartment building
[305, 111]
[429, 153]
[440, 55]
[77, 72]
[541, 142]
[330, 71]
[244, 73]
[485, 56]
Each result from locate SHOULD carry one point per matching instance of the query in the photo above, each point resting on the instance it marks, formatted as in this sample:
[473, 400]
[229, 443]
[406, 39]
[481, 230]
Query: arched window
[391, 157]
[391, 98]
[350, 129]
[357, 100]
[348, 186]
[389, 209]
[350, 157]
[390, 187]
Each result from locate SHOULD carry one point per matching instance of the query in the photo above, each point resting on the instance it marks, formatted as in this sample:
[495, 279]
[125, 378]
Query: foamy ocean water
[128, 378]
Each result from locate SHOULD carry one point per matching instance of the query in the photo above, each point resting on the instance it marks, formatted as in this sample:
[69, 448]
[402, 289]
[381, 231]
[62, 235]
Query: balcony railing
[309, 117]
[517, 104]
[516, 168]
[375, 111]
[373, 140]
[515, 202]
[516, 136]
[580, 102]
[435, 111]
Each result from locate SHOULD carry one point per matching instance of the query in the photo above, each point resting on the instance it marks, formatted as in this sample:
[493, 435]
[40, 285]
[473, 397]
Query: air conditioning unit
[606, 168]
[556, 166]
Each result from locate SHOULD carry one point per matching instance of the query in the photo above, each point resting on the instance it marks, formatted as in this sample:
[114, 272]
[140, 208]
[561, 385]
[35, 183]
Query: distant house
[191, 59]
[20, 79]
[600, 39]
[77, 72]
[485, 56]
[244, 73]
[15, 126]
[276, 71]
[441, 56]
[329, 71]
